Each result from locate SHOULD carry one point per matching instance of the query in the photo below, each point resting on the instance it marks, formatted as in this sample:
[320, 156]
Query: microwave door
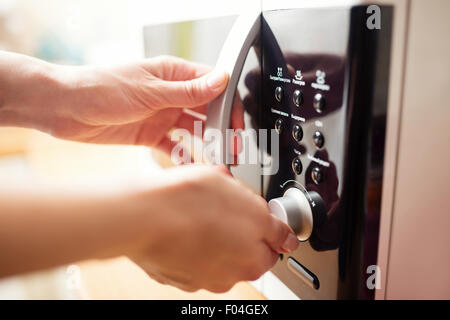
[321, 88]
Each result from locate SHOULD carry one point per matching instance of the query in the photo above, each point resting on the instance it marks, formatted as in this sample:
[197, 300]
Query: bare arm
[43, 230]
[185, 230]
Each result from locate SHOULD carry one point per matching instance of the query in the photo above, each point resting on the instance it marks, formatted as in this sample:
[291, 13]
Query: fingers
[191, 93]
[222, 168]
[269, 258]
[237, 113]
[280, 237]
[189, 121]
[235, 146]
[172, 68]
[236, 123]
[165, 278]
[200, 109]
[188, 70]
[179, 153]
[262, 259]
[266, 260]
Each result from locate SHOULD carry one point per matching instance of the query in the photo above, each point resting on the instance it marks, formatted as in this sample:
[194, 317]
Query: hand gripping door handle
[242, 36]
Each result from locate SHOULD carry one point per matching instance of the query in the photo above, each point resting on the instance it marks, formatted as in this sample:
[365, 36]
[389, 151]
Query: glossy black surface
[297, 132]
[317, 175]
[319, 102]
[318, 139]
[297, 166]
[297, 97]
[341, 69]
[279, 125]
[279, 94]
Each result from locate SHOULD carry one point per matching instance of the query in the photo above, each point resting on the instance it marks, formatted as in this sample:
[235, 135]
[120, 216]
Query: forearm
[42, 231]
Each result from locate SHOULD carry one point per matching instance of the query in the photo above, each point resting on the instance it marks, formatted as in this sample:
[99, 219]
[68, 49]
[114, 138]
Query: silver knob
[294, 209]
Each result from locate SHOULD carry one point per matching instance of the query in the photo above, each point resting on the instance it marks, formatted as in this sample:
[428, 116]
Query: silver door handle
[242, 36]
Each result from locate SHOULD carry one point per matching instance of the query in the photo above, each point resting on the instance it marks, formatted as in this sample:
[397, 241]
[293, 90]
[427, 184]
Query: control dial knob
[296, 210]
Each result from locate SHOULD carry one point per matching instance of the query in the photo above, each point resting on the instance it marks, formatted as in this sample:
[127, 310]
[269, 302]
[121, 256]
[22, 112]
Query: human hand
[213, 234]
[137, 103]
[140, 103]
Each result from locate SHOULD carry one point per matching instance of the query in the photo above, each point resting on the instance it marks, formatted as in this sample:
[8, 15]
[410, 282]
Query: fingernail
[224, 170]
[215, 79]
[291, 243]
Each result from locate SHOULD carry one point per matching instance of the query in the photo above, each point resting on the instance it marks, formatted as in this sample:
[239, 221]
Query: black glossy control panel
[324, 84]
[303, 100]
[297, 103]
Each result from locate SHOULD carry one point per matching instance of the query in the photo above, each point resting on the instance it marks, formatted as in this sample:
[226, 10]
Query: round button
[297, 166]
[297, 132]
[293, 208]
[279, 93]
[297, 97]
[318, 139]
[301, 211]
[317, 175]
[279, 125]
[319, 102]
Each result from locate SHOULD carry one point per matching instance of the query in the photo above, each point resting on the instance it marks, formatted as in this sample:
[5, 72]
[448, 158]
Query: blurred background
[99, 32]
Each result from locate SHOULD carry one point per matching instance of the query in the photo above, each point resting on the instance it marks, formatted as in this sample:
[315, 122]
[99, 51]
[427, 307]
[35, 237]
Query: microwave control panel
[324, 92]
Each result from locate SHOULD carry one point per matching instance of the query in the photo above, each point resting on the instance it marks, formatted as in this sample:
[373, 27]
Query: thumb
[280, 236]
[193, 93]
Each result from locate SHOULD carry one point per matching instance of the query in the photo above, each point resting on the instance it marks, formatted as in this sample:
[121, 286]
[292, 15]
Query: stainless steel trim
[304, 274]
[242, 36]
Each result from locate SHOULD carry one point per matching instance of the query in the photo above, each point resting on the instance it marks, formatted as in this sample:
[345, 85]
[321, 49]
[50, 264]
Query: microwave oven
[353, 94]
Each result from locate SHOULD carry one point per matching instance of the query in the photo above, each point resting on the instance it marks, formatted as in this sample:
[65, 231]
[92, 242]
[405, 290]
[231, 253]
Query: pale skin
[196, 228]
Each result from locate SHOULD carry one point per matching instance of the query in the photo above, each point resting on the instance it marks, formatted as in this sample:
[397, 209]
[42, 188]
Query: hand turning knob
[296, 210]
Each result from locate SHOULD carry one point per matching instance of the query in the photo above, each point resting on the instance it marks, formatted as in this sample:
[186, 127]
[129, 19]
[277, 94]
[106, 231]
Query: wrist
[27, 83]
[157, 219]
